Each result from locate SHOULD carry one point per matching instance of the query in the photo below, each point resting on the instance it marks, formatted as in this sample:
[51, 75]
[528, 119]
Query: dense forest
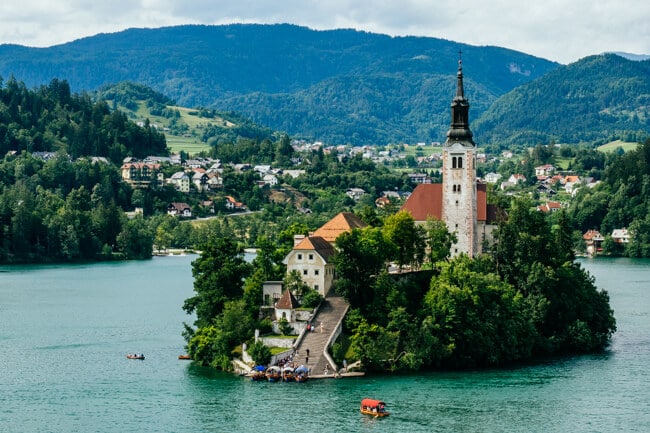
[50, 118]
[351, 86]
[595, 100]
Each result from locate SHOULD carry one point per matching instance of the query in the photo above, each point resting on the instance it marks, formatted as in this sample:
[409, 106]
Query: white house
[621, 236]
[311, 258]
[179, 209]
[517, 178]
[544, 170]
[492, 177]
[181, 181]
[355, 193]
[200, 181]
[270, 179]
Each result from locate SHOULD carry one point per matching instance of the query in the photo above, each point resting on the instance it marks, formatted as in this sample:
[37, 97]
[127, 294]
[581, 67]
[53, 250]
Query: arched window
[453, 162]
[460, 162]
[454, 188]
[458, 188]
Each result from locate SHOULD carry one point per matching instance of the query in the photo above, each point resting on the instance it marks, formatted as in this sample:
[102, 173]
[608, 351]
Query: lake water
[65, 331]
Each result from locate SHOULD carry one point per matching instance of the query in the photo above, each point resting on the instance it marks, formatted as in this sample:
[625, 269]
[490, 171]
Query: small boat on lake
[135, 356]
[376, 408]
[184, 357]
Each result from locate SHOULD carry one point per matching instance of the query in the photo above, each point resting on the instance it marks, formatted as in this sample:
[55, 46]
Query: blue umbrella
[259, 368]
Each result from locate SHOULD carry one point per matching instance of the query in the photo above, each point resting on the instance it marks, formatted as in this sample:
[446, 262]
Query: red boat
[376, 408]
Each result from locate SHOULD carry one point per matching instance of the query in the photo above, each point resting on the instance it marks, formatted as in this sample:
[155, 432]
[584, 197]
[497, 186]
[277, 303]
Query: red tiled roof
[591, 234]
[426, 201]
[318, 244]
[287, 301]
[341, 223]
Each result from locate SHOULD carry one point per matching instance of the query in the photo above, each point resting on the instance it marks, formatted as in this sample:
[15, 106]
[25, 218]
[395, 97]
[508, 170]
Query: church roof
[426, 201]
[341, 223]
[318, 244]
[287, 301]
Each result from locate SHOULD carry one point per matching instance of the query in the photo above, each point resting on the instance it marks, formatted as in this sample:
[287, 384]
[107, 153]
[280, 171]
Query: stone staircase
[328, 317]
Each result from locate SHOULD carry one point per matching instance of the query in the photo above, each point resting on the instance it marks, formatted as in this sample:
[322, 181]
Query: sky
[560, 30]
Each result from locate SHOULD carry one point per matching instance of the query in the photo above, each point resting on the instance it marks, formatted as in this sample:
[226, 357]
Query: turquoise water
[65, 331]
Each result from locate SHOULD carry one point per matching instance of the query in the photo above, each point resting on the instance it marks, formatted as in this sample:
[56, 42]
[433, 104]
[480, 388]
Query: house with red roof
[594, 241]
[312, 255]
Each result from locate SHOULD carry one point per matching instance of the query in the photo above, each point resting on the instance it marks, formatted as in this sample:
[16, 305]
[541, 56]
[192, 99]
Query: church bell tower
[459, 206]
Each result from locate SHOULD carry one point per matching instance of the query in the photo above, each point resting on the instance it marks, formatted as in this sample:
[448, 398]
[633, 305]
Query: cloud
[552, 29]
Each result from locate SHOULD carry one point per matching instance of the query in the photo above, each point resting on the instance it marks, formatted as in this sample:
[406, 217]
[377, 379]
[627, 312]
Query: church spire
[459, 130]
[460, 91]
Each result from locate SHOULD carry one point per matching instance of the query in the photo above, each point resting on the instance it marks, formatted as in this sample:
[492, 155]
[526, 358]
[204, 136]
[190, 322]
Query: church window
[458, 189]
[456, 202]
[453, 162]
[454, 189]
[460, 162]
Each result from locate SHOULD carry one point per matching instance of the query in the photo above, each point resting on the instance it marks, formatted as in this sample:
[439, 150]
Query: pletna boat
[376, 408]
[258, 373]
[301, 374]
[135, 356]
[184, 357]
[287, 374]
[274, 374]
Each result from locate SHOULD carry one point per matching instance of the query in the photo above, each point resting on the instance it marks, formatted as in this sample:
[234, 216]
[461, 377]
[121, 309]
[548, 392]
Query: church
[461, 200]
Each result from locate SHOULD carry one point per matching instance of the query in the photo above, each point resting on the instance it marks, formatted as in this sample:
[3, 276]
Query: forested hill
[598, 98]
[336, 86]
[50, 118]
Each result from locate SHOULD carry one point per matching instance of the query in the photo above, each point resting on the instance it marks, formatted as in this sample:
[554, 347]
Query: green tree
[408, 238]
[260, 353]
[219, 274]
[373, 345]
[439, 240]
[479, 319]
[135, 241]
[361, 254]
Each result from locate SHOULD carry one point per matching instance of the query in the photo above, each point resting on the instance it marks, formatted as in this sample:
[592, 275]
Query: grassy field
[190, 141]
[422, 150]
[612, 146]
[191, 145]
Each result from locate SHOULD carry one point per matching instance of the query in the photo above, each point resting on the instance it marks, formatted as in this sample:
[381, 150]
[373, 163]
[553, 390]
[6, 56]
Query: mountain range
[349, 86]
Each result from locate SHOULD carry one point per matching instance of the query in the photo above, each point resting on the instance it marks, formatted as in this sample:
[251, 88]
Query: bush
[285, 328]
[311, 299]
